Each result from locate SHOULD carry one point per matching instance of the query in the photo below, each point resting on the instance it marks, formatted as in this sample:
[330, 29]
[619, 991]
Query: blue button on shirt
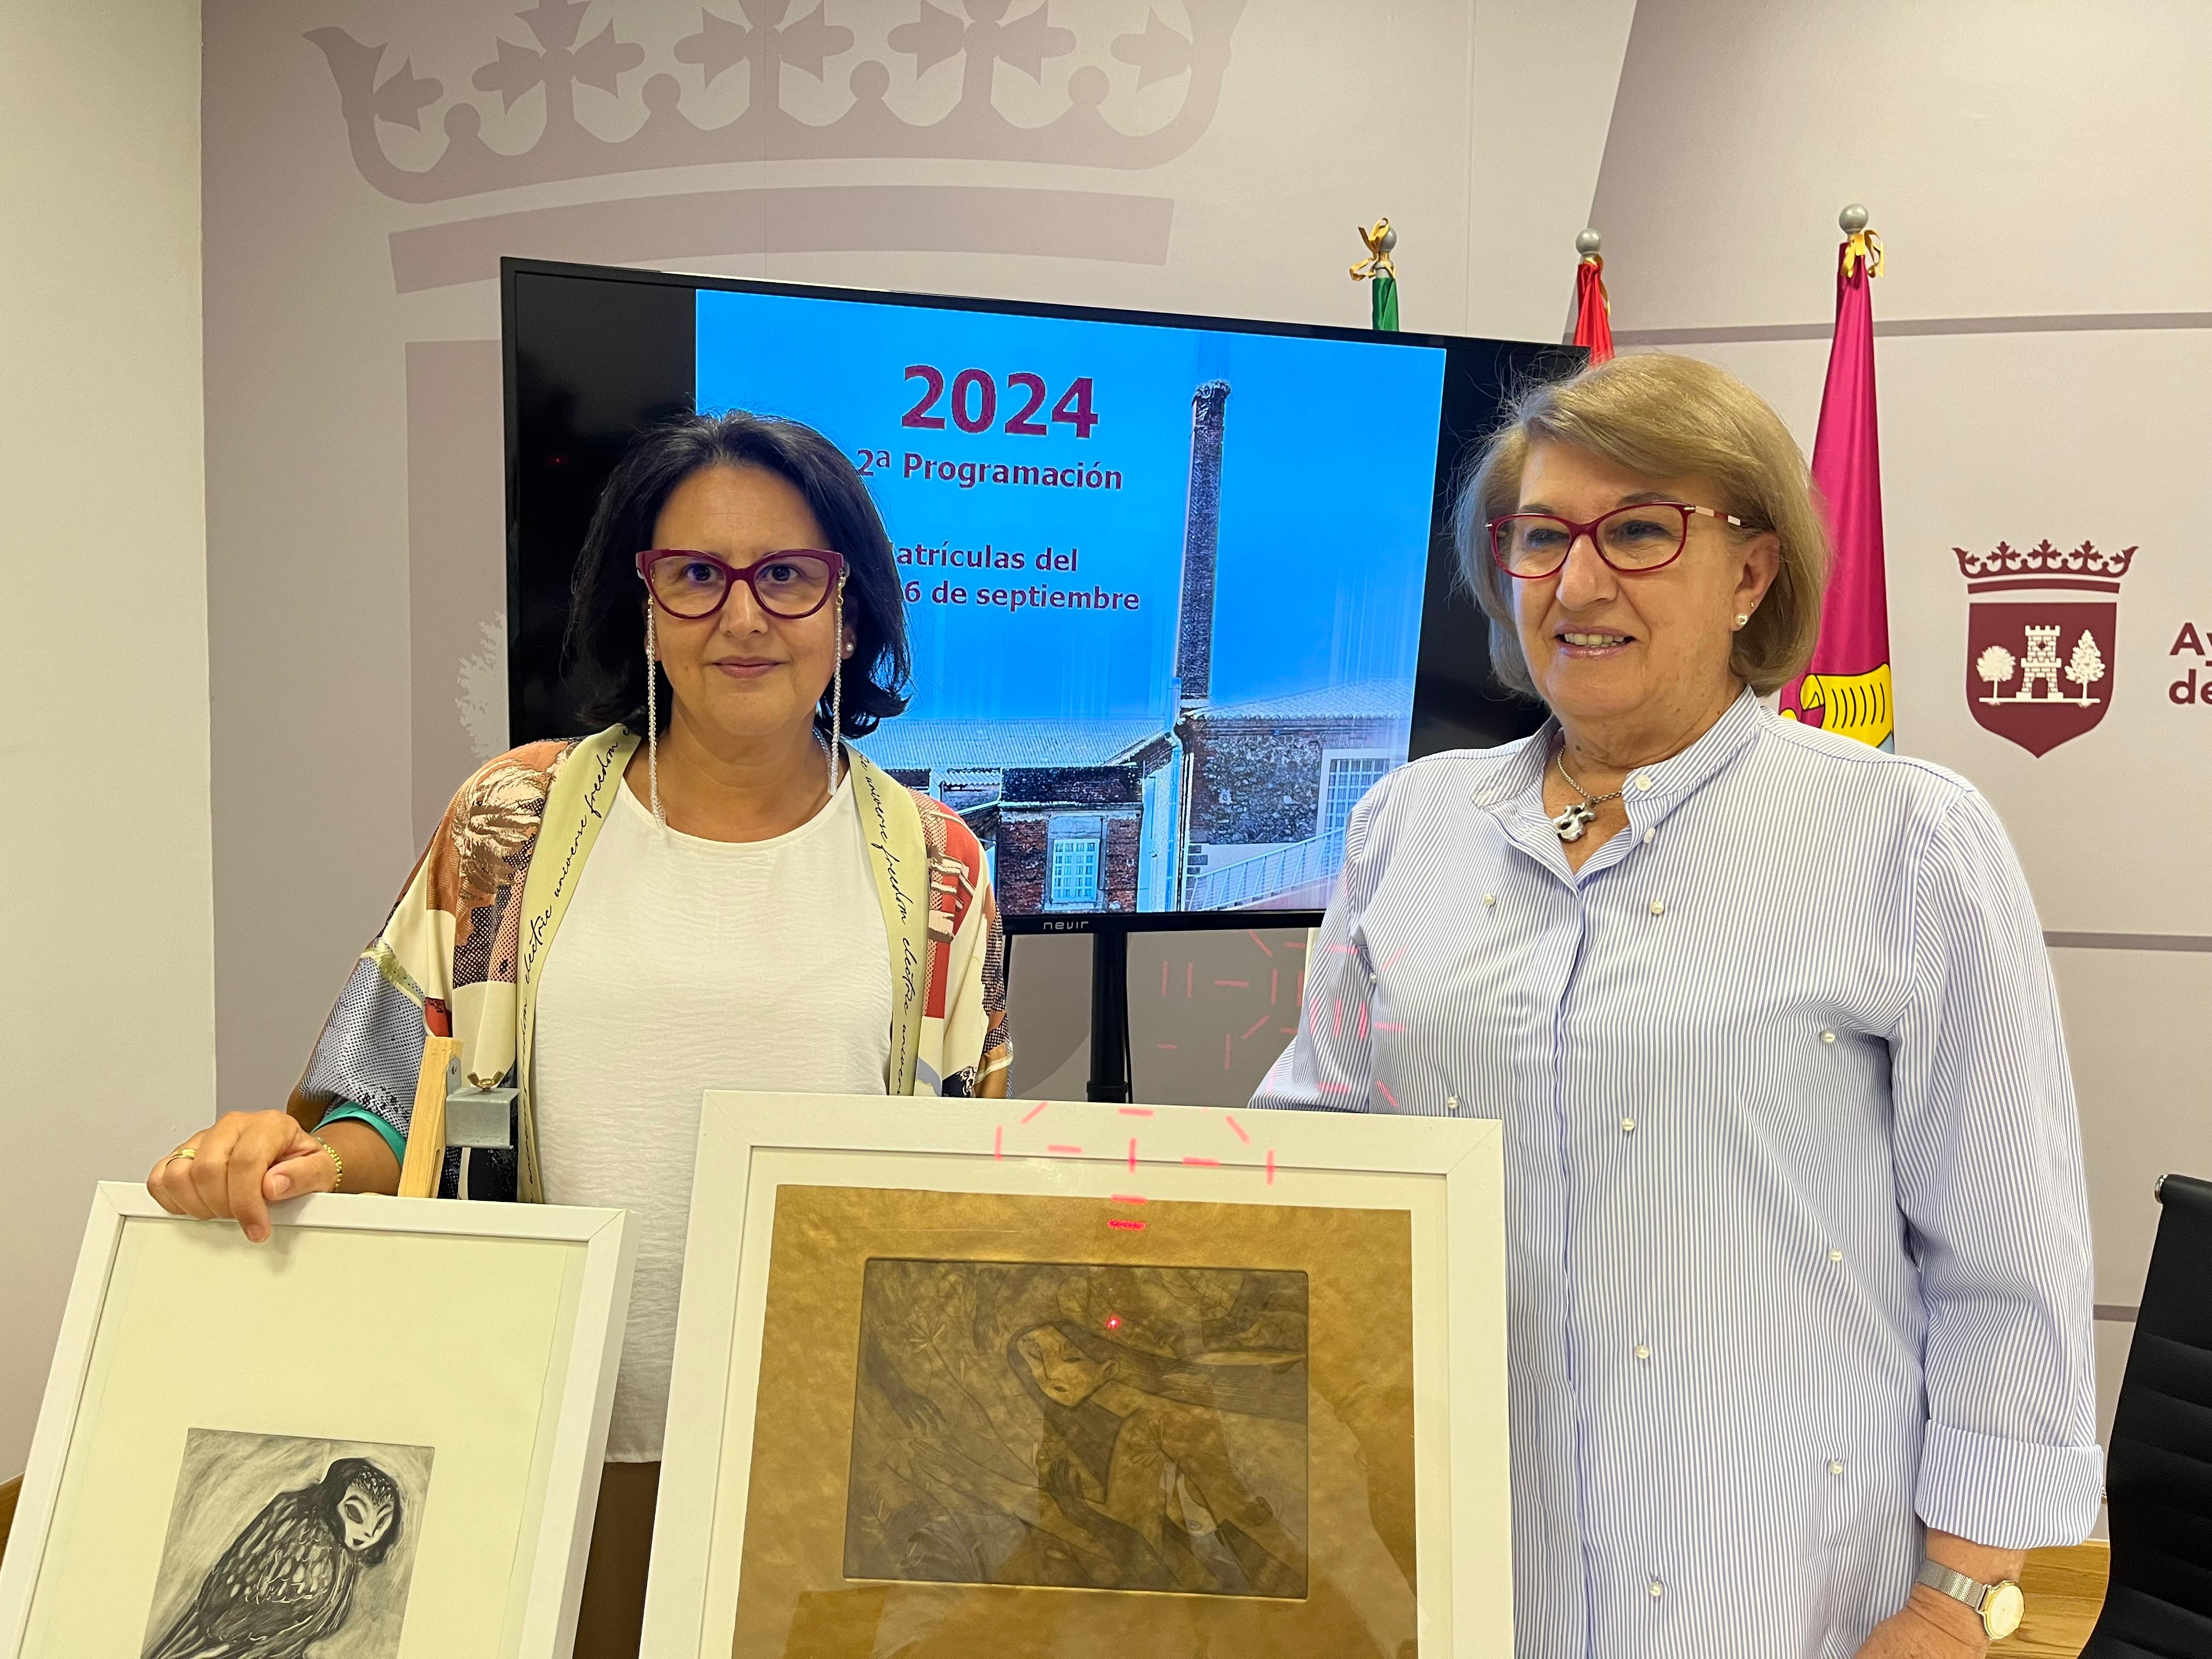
[1798, 1249]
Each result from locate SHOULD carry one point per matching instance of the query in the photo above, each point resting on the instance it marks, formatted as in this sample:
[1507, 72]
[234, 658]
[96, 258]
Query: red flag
[1847, 687]
[1593, 310]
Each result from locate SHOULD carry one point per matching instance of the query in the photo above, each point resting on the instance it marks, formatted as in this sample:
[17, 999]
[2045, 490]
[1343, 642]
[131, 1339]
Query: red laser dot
[1238, 1128]
[1135, 1111]
[1387, 1095]
[1255, 1026]
[1130, 1198]
[1189, 977]
[999, 1142]
[1257, 940]
[1035, 1109]
[1113, 1322]
[1274, 985]
[1228, 1045]
[1363, 1022]
[1234, 984]
[1132, 1154]
[1203, 1163]
[1073, 1152]
[1127, 1227]
[1271, 1166]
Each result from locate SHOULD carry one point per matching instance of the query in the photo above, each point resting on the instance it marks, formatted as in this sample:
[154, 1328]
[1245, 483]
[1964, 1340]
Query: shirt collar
[1650, 791]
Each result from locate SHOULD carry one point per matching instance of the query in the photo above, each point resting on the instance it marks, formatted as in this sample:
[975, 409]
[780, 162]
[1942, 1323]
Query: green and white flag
[1383, 295]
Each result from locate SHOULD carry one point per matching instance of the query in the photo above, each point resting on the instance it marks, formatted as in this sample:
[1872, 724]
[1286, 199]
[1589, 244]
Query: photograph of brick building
[1059, 805]
[1079, 816]
[1273, 780]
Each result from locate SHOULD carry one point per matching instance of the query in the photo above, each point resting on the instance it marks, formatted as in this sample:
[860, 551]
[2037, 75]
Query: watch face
[2000, 1613]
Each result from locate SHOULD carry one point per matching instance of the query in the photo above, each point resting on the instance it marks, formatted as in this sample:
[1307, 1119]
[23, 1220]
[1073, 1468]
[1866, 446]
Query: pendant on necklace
[1570, 822]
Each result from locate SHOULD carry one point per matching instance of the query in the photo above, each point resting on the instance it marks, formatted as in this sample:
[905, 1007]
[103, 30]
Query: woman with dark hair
[728, 895]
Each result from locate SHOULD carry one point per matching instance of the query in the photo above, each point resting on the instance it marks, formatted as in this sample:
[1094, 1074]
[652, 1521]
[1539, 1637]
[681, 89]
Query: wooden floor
[2064, 1589]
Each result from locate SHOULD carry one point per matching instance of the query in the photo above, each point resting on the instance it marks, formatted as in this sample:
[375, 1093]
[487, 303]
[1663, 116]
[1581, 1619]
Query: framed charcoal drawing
[1038, 1380]
[377, 1436]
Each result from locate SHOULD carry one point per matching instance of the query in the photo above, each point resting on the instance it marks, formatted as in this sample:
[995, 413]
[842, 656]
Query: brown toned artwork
[1014, 1426]
[1080, 1425]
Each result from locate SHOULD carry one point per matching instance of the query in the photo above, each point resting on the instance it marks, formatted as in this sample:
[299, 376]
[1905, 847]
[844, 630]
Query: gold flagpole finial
[1379, 241]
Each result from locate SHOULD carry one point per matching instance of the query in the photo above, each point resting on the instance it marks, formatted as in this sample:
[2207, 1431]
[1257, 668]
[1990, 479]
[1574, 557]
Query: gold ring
[182, 1151]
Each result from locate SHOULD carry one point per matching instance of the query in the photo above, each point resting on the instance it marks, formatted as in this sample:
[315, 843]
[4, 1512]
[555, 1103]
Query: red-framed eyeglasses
[1635, 540]
[790, 584]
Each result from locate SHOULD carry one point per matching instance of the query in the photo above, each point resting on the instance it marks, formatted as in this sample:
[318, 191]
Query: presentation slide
[1164, 583]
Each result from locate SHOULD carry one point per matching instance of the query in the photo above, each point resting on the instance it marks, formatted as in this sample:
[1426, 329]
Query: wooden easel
[426, 1130]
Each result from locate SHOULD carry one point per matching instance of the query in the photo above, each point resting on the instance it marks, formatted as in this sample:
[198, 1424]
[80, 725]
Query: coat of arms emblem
[2042, 631]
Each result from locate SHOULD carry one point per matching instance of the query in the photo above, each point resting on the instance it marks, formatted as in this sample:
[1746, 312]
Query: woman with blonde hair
[1799, 1289]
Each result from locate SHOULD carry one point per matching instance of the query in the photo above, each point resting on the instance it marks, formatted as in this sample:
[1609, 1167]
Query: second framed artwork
[1042, 1378]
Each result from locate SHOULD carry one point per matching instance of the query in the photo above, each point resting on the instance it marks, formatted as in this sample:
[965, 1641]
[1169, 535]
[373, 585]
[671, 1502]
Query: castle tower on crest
[2041, 663]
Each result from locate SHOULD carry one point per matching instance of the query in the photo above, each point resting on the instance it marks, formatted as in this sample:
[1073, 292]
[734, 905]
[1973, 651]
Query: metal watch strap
[1946, 1582]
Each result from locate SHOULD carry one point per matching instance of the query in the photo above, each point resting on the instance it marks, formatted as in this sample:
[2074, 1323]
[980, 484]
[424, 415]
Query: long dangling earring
[653, 718]
[837, 690]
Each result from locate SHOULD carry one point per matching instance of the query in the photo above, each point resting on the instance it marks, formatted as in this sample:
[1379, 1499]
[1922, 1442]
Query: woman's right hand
[238, 1166]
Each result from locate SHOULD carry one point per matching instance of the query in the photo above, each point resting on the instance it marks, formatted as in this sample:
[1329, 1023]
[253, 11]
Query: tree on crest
[2087, 665]
[1996, 665]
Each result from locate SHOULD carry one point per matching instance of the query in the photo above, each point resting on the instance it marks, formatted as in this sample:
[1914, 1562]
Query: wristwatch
[1999, 1605]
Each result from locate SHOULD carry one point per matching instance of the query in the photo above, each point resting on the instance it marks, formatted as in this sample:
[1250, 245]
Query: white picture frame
[1447, 1173]
[136, 1359]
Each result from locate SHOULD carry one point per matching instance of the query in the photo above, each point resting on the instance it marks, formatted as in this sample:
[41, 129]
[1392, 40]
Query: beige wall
[2045, 361]
[107, 993]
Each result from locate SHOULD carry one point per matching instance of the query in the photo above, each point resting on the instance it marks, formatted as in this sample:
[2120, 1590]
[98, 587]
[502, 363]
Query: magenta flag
[1847, 687]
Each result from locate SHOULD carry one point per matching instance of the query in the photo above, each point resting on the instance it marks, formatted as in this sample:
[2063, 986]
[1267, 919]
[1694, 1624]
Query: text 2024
[973, 402]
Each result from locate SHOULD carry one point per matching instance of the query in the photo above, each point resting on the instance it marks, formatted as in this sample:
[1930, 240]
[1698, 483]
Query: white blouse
[685, 965]
[1798, 1248]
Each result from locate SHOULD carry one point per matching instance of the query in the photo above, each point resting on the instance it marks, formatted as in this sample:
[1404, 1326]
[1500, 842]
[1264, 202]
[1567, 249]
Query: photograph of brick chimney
[1229, 805]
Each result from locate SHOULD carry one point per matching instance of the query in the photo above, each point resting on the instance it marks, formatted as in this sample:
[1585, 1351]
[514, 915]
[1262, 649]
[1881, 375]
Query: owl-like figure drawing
[287, 1581]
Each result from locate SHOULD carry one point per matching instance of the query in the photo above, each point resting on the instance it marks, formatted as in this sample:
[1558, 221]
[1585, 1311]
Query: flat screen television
[1179, 589]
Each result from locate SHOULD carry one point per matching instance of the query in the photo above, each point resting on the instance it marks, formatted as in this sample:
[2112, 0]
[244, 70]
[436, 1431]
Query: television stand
[1109, 1016]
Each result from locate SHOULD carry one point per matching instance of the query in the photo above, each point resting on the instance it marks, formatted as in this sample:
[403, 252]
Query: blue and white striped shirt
[1798, 1252]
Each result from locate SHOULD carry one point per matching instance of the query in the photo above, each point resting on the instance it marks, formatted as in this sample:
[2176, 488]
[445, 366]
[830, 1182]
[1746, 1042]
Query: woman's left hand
[1922, 1630]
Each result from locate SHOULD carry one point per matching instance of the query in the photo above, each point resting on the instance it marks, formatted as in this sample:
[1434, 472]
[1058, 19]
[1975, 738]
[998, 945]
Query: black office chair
[2158, 1480]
